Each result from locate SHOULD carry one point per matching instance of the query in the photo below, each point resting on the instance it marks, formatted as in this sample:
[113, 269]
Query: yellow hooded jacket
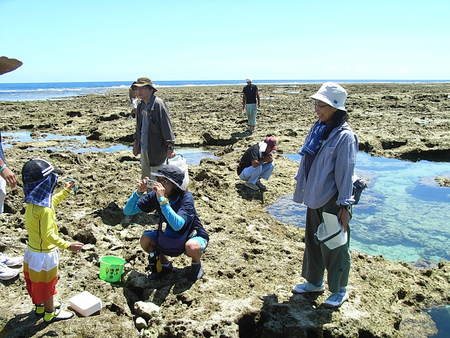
[40, 222]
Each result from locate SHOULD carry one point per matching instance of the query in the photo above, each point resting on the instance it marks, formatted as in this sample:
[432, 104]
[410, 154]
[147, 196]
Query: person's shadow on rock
[249, 194]
[300, 316]
[24, 325]
[241, 134]
[112, 215]
[139, 287]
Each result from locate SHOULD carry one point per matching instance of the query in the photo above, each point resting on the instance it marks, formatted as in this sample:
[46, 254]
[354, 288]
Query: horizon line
[243, 81]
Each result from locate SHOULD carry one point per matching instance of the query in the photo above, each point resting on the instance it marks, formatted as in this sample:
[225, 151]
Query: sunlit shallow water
[79, 144]
[403, 215]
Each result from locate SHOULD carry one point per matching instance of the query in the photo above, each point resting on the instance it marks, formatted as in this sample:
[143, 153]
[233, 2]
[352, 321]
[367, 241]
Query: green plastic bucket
[111, 268]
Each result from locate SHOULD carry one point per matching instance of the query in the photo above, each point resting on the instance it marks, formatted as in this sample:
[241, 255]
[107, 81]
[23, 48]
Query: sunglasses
[162, 180]
[319, 105]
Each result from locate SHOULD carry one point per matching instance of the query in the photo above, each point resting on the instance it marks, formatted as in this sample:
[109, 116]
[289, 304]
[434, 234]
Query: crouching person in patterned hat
[41, 258]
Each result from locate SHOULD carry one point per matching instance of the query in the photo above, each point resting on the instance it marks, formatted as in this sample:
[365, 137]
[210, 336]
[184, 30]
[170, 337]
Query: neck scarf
[40, 192]
[314, 141]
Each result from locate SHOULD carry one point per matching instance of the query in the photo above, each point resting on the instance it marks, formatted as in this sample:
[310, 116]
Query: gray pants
[147, 170]
[318, 256]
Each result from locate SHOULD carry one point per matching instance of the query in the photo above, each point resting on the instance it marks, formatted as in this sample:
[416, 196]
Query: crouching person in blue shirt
[179, 228]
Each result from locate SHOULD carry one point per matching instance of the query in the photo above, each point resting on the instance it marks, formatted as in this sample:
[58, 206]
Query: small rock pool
[80, 144]
[441, 317]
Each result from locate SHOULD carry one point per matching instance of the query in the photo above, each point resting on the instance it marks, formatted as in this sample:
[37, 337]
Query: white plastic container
[330, 232]
[85, 303]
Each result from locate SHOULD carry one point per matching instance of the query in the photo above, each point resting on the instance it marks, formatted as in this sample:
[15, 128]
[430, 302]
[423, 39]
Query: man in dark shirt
[257, 163]
[250, 102]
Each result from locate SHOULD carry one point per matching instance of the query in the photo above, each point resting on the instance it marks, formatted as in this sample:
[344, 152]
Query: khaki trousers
[146, 169]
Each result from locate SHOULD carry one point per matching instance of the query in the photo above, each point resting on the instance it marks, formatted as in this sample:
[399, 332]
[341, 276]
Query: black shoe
[196, 272]
[167, 269]
[153, 258]
[261, 186]
[153, 274]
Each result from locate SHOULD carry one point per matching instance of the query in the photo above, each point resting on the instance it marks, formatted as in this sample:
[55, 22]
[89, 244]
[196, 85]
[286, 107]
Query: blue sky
[112, 40]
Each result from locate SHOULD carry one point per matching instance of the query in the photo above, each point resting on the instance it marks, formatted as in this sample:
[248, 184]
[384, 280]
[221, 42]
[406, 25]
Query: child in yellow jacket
[41, 258]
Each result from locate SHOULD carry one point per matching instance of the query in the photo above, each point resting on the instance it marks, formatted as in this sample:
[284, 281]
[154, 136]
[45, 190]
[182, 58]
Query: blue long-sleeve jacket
[180, 213]
[331, 171]
[175, 221]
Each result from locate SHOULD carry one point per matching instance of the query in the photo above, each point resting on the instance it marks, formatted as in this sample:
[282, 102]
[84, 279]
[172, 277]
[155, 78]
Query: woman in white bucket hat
[324, 185]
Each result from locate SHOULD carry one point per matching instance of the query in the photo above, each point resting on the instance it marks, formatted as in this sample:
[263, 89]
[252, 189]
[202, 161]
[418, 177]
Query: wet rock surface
[252, 260]
[443, 181]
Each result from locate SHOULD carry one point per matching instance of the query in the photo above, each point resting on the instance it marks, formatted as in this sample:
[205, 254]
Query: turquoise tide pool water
[79, 144]
[403, 215]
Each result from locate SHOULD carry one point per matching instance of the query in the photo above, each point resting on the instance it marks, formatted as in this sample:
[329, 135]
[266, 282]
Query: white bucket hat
[333, 94]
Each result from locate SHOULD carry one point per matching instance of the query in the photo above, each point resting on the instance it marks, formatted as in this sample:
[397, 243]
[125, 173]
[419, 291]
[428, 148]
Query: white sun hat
[333, 94]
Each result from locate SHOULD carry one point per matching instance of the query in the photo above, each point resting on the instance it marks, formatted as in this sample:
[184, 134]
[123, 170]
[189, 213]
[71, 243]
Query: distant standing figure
[250, 102]
[257, 163]
[154, 138]
[325, 186]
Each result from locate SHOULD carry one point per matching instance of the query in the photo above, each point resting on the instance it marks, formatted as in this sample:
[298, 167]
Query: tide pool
[441, 317]
[403, 214]
[79, 144]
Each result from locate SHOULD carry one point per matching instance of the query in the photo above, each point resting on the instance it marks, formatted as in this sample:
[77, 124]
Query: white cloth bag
[330, 232]
[180, 162]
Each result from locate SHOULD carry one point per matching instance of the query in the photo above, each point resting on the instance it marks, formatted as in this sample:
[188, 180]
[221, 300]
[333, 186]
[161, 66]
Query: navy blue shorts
[200, 240]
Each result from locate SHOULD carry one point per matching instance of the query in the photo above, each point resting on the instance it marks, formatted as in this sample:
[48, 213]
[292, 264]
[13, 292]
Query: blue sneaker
[337, 299]
[308, 288]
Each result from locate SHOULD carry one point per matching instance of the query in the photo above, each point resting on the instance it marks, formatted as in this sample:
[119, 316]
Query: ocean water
[79, 144]
[403, 214]
[61, 90]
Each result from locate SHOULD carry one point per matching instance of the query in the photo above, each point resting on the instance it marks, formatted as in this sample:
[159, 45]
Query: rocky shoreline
[253, 260]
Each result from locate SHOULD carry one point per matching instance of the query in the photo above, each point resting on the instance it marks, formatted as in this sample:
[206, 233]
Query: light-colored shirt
[331, 171]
